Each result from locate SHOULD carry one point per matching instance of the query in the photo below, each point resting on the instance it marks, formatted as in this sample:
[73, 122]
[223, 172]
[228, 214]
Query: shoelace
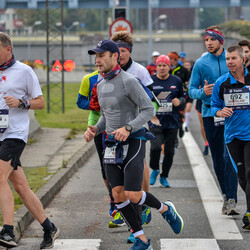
[170, 215]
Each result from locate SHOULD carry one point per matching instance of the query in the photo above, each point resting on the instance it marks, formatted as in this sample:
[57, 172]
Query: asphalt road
[80, 209]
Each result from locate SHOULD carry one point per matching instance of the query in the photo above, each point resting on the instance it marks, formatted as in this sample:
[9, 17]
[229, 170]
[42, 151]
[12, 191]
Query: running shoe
[144, 215]
[186, 129]
[49, 238]
[231, 207]
[117, 222]
[224, 207]
[173, 218]
[149, 215]
[246, 221]
[114, 213]
[153, 176]
[131, 239]
[164, 182]
[112, 208]
[205, 152]
[140, 245]
[6, 240]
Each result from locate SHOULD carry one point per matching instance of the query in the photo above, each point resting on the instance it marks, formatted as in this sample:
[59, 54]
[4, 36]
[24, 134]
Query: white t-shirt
[140, 72]
[18, 81]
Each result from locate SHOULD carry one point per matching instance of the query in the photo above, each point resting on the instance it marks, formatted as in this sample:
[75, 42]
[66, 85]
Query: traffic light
[120, 12]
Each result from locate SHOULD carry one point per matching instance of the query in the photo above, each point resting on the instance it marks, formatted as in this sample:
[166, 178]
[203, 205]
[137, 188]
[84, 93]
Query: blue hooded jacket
[208, 67]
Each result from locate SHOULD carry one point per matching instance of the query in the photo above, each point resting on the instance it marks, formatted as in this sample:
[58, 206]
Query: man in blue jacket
[207, 69]
[230, 99]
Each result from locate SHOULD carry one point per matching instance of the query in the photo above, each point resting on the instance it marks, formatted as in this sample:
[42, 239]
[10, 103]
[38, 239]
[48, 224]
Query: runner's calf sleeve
[149, 200]
[138, 210]
[129, 215]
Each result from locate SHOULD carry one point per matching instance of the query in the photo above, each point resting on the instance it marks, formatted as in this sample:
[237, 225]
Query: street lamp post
[76, 23]
[67, 29]
[30, 29]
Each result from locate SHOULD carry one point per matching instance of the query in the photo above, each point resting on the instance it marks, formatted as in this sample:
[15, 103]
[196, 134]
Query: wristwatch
[21, 104]
[128, 128]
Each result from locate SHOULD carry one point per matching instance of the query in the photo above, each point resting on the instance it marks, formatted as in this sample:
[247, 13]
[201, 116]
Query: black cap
[105, 45]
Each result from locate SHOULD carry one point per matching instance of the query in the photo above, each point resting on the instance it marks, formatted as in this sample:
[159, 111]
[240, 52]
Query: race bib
[4, 119]
[109, 155]
[112, 157]
[237, 99]
[219, 121]
[166, 107]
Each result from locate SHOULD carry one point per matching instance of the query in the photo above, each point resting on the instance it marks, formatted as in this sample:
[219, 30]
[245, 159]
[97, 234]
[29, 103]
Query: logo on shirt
[235, 91]
[157, 87]
[172, 87]
[2, 79]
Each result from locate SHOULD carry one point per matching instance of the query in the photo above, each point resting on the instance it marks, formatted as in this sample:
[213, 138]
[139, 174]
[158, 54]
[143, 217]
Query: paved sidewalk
[62, 157]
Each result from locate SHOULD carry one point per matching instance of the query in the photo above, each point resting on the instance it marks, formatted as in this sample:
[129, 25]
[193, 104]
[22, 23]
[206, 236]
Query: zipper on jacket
[219, 65]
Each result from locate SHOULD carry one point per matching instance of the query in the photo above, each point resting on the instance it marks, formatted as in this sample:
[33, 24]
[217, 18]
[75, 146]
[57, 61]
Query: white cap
[155, 53]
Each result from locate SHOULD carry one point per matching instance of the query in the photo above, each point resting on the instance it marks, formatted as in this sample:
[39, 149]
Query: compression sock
[138, 210]
[129, 215]
[47, 225]
[149, 200]
[9, 229]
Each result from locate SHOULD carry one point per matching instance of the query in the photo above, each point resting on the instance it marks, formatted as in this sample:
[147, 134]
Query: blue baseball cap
[103, 46]
[182, 54]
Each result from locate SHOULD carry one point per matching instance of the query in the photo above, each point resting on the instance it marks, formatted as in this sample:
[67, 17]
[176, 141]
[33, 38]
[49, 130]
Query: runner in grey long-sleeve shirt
[120, 97]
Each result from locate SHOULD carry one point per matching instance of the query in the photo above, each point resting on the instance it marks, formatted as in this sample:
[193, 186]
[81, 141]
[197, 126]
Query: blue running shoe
[144, 216]
[131, 239]
[164, 182]
[149, 216]
[173, 218]
[140, 245]
[147, 212]
[112, 207]
[153, 176]
[117, 222]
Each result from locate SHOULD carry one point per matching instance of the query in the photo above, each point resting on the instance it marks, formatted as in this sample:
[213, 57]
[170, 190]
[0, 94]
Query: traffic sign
[120, 24]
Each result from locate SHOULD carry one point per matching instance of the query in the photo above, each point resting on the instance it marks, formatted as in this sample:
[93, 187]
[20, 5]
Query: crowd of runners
[130, 105]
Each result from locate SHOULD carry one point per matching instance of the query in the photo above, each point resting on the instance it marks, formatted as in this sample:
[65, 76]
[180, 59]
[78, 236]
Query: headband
[123, 44]
[173, 55]
[214, 34]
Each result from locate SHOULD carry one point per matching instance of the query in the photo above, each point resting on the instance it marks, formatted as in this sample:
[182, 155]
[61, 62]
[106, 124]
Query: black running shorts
[11, 149]
[130, 173]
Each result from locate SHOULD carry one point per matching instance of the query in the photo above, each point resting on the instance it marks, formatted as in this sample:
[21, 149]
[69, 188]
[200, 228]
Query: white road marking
[223, 226]
[189, 244]
[77, 244]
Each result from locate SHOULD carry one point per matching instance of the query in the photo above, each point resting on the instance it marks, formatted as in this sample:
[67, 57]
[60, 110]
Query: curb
[46, 193]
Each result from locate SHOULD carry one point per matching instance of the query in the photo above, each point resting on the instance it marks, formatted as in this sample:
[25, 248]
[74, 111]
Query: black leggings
[99, 147]
[166, 137]
[240, 153]
[100, 151]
